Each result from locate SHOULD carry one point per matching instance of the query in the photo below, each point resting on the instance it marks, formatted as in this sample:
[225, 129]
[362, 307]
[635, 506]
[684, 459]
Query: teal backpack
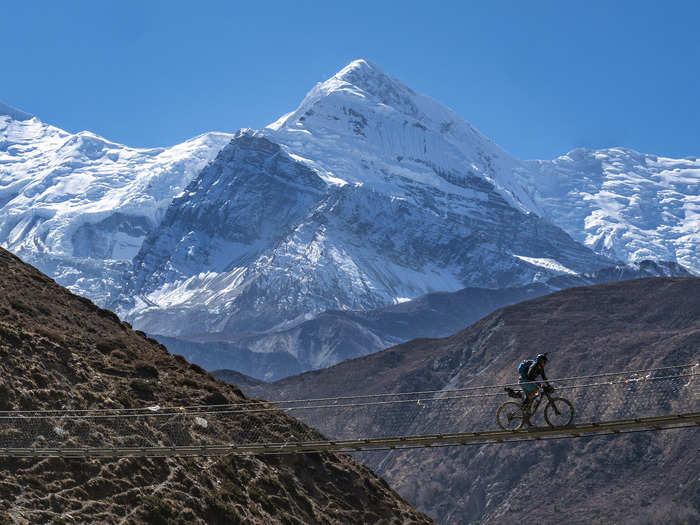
[524, 366]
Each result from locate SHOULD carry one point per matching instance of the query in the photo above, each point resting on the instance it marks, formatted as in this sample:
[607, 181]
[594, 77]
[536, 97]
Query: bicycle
[558, 412]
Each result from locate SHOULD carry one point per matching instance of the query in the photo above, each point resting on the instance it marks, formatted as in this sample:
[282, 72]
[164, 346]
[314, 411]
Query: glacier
[627, 205]
[78, 206]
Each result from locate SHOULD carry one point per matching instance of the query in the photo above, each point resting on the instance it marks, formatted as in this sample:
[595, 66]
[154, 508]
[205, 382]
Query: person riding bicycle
[513, 416]
[529, 372]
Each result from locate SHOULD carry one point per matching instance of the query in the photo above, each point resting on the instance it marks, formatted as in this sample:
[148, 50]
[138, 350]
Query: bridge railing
[605, 397]
[597, 398]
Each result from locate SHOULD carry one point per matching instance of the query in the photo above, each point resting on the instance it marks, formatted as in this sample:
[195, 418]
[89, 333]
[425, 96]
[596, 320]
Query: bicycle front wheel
[559, 412]
[510, 416]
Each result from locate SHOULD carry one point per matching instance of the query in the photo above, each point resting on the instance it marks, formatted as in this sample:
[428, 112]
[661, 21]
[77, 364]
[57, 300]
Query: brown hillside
[646, 478]
[60, 351]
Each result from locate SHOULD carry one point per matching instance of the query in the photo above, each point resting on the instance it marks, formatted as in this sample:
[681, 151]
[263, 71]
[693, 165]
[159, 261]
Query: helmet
[541, 358]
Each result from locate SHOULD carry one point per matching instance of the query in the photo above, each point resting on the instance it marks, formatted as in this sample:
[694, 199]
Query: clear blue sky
[539, 78]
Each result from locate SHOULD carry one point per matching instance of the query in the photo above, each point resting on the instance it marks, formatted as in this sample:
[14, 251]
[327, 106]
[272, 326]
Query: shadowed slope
[587, 330]
[60, 351]
[336, 335]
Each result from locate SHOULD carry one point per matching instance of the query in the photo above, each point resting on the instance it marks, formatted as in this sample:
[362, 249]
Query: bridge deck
[622, 426]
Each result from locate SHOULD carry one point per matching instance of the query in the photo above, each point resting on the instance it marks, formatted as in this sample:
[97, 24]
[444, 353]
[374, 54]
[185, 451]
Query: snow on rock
[627, 205]
[365, 193]
[549, 264]
[79, 206]
[362, 126]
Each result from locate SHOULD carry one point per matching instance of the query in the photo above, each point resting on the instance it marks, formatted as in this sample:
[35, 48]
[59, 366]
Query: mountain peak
[370, 79]
[14, 113]
[359, 69]
[360, 79]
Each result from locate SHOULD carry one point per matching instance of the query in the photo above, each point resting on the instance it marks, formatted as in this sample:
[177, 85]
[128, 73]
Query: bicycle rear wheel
[510, 416]
[559, 412]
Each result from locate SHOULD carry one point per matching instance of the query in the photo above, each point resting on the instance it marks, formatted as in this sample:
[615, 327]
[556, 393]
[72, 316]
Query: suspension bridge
[617, 403]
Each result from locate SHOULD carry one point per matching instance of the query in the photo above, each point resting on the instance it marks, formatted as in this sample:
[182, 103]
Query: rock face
[60, 351]
[587, 330]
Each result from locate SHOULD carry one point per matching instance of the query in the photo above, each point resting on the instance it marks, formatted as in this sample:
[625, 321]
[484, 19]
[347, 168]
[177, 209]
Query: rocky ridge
[60, 351]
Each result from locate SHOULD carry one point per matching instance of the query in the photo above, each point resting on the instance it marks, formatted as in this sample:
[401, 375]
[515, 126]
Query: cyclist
[529, 373]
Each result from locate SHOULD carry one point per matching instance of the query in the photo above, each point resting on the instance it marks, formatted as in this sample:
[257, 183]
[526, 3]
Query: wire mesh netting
[601, 398]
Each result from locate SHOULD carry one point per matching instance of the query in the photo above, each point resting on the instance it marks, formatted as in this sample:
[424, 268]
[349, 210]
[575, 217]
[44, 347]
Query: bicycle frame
[559, 406]
[537, 401]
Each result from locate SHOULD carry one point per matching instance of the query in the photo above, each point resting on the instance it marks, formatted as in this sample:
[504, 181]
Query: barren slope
[58, 350]
[620, 326]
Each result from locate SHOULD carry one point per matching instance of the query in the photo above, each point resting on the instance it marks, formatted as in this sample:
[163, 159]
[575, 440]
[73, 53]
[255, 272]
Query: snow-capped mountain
[78, 206]
[337, 335]
[626, 205]
[368, 194]
[361, 126]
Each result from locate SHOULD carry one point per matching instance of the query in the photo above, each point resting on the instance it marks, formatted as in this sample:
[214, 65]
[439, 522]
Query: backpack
[524, 366]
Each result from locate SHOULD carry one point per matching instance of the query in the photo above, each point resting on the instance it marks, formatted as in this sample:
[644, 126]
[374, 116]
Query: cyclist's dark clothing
[530, 374]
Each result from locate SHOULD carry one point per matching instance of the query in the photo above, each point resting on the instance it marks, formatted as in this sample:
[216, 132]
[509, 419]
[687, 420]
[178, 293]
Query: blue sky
[539, 78]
